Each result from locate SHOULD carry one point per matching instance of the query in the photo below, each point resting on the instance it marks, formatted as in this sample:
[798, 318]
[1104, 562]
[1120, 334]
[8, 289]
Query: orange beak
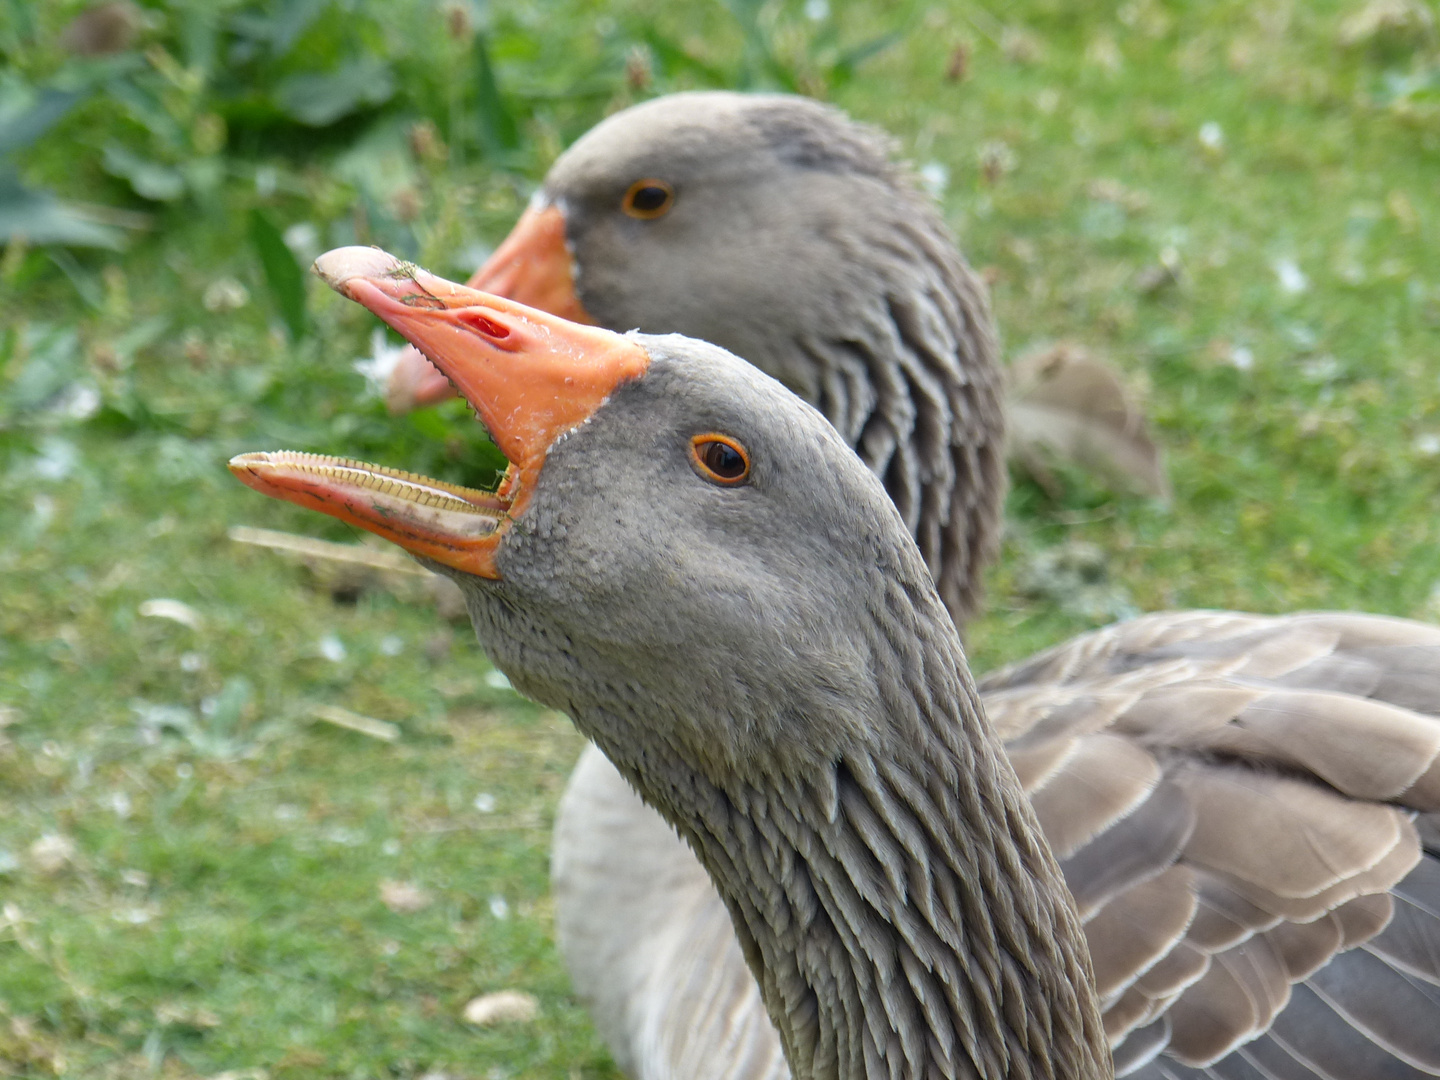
[529, 375]
[532, 266]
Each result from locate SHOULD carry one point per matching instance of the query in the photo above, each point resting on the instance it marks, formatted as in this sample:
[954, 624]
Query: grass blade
[498, 132]
[283, 274]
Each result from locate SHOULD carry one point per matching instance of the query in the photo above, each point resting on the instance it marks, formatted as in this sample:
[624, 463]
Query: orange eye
[648, 199]
[721, 459]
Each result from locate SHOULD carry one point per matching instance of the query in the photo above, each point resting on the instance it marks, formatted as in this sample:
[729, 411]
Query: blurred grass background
[1237, 203]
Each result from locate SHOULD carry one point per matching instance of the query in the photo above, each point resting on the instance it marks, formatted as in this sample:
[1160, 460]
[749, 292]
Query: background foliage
[1235, 202]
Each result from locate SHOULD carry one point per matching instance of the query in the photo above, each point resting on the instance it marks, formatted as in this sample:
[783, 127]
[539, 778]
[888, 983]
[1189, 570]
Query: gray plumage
[779, 199]
[1242, 806]
[1151, 748]
[771, 667]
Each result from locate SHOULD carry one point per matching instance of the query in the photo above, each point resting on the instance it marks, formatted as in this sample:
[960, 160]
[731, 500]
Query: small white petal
[504, 1006]
[1292, 279]
[378, 366]
[935, 178]
[303, 240]
[174, 610]
[332, 648]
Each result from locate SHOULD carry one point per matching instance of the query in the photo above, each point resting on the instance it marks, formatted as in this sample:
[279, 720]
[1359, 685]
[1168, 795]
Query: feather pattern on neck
[911, 378]
[895, 903]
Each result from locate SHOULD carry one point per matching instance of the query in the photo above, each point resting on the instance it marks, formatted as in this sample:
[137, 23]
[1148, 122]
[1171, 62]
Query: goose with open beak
[1244, 809]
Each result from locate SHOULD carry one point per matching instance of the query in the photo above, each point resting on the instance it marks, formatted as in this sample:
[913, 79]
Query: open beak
[530, 376]
[532, 266]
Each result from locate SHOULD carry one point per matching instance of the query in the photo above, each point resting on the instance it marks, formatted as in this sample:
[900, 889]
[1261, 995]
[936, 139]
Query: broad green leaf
[844, 68]
[51, 360]
[321, 99]
[148, 179]
[283, 275]
[673, 60]
[22, 122]
[278, 29]
[40, 218]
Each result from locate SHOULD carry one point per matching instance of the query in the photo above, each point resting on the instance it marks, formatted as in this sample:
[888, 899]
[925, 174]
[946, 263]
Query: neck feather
[893, 897]
[908, 370]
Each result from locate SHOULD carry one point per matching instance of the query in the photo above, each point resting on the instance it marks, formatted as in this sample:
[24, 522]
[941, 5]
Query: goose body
[1119, 735]
[686, 559]
[648, 941]
[691, 563]
[1241, 805]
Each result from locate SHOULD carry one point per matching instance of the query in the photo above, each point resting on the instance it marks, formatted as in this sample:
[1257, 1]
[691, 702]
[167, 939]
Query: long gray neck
[896, 903]
[907, 368]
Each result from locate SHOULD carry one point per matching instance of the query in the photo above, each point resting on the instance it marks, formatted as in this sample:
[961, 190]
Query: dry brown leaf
[365, 725]
[1065, 404]
[102, 29]
[348, 570]
[404, 898]
[959, 65]
[177, 1014]
[1398, 20]
[52, 853]
[502, 1007]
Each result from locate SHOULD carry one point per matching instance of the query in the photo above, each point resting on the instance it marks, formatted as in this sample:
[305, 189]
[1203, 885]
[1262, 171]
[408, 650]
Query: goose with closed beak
[779, 229]
[686, 560]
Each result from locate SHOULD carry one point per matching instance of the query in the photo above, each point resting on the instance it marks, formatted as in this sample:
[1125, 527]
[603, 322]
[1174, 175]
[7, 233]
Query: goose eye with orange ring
[720, 459]
[648, 199]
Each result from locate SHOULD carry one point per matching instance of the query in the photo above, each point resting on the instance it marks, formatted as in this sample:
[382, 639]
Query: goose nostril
[482, 325]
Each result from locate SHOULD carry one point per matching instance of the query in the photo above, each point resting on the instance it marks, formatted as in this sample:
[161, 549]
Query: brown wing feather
[1367, 749]
[1258, 867]
[1034, 765]
[1280, 837]
[1225, 917]
[1239, 803]
[1102, 781]
[1132, 850]
[1365, 916]
[1173, 972]
[1304, 947]
[1221, 1011]
[1139, 928]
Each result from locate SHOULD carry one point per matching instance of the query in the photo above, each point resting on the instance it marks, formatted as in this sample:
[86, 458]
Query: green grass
[190, 865]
